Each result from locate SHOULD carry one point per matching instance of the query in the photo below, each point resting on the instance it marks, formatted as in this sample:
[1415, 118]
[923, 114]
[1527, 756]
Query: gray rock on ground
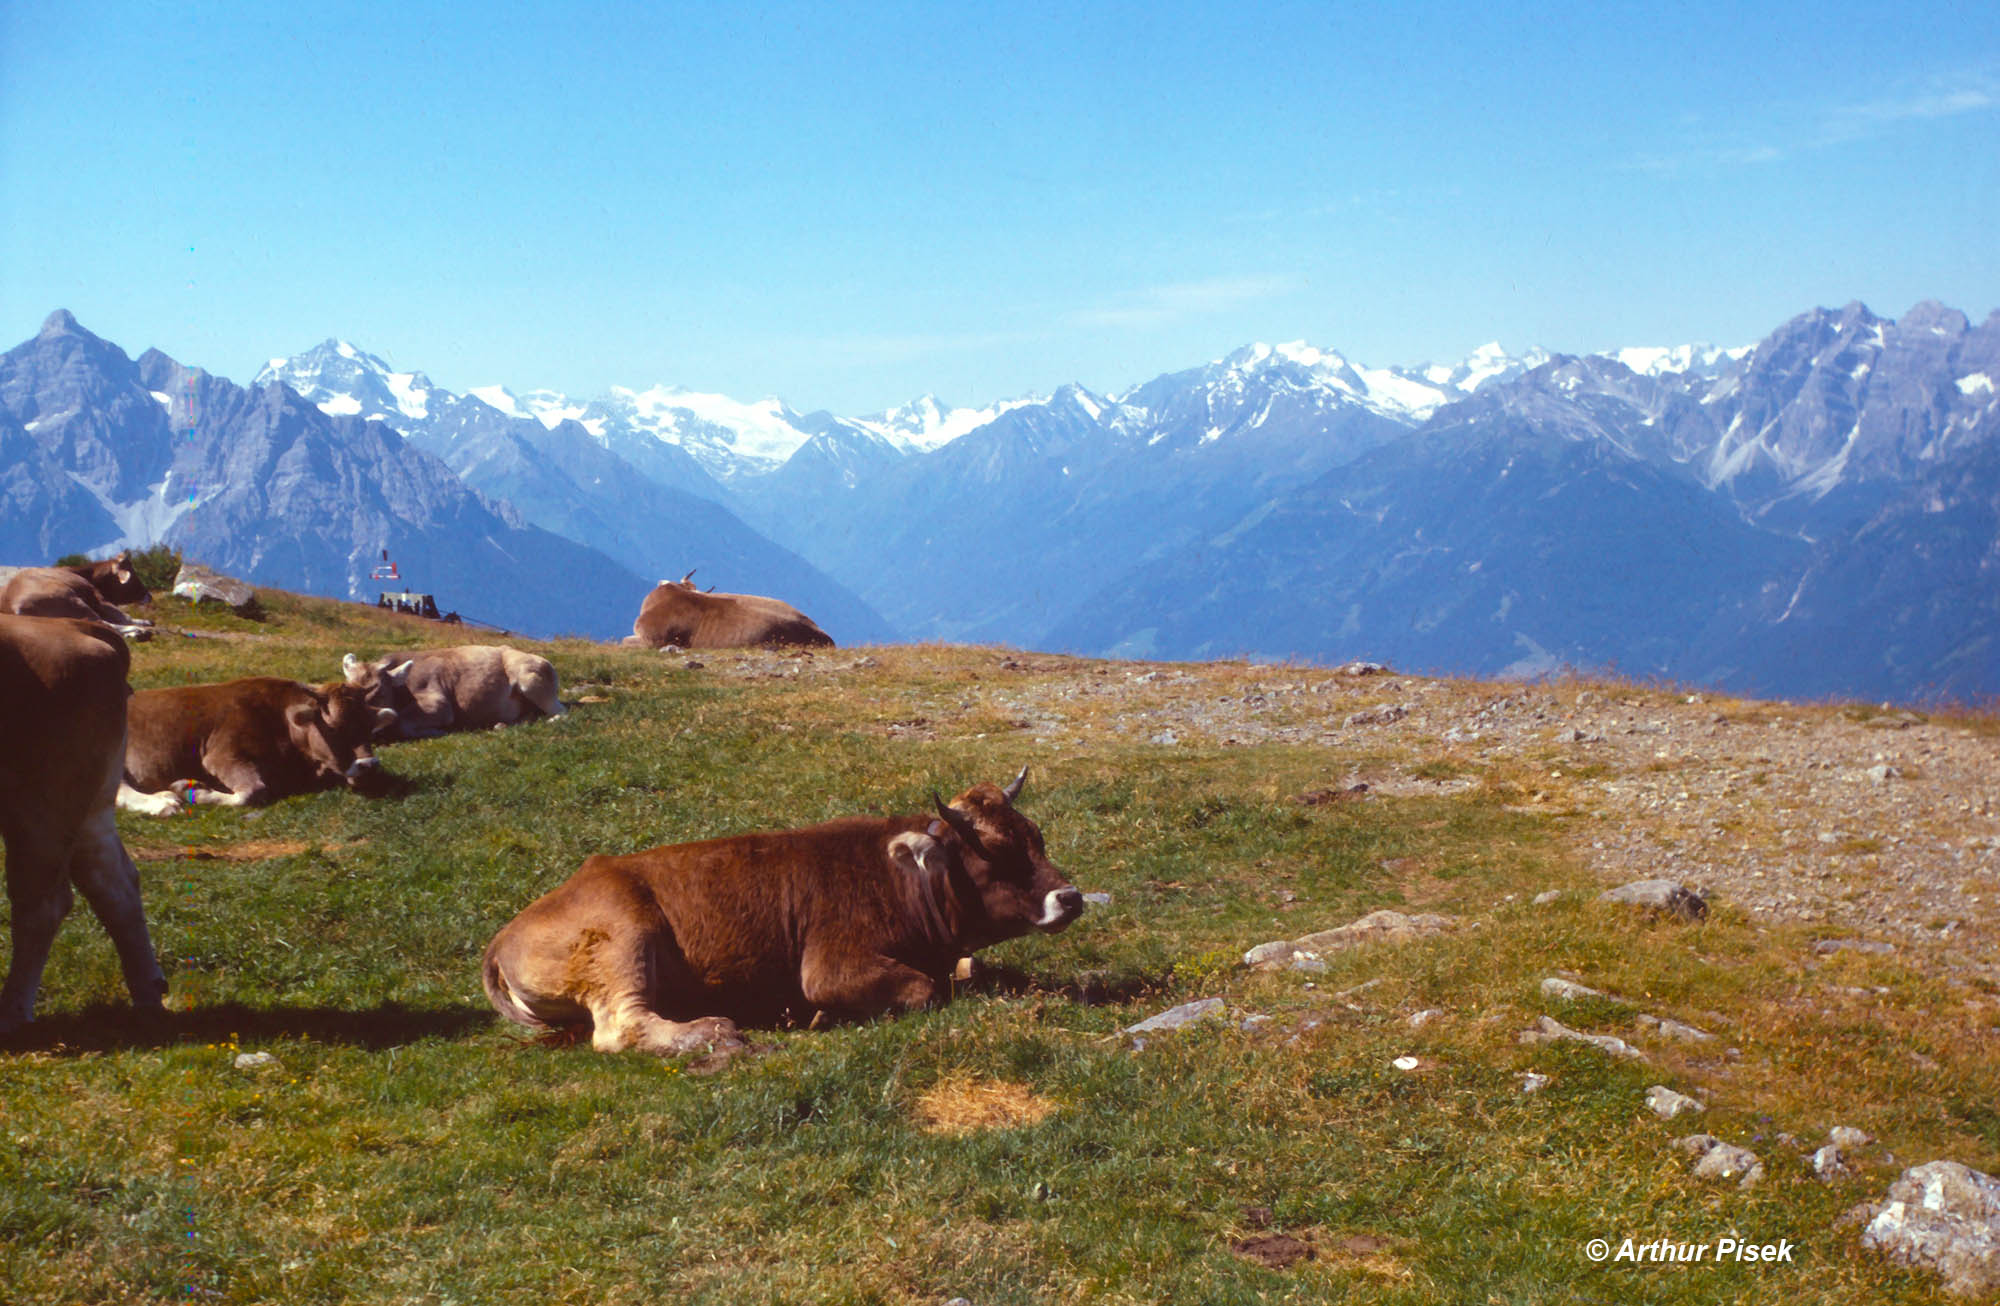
[1716, 1159]
[1942, 1216]
[1828, 1164]
[1564, 990]
[1665, 1103]
[1673, 1029]
[1177, 1017]
[199, 584]
[1383, 926]
[1663, 897]
[1550, 1030]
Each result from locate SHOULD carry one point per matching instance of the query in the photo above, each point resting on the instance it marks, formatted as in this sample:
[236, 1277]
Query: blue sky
[850, 205]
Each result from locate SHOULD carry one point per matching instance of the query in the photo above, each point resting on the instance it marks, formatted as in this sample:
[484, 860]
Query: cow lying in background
[665, 950]
[679, 614]
[247, 742]
[62, 696]
[471, 687]
[86, 593]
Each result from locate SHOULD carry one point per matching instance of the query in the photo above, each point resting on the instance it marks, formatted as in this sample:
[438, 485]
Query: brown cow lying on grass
[86, 593]
[62, 697]
[471, 687]
[679, 614]
[246, 742]
[667, 949]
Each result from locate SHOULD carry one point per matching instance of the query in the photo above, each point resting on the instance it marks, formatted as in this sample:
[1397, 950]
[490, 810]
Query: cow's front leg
[864, 986]
[629, 1023]
[238, 785]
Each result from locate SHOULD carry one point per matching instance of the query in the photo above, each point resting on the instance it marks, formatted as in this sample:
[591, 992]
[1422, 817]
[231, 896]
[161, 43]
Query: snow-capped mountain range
[1816, 513]
[732, 438]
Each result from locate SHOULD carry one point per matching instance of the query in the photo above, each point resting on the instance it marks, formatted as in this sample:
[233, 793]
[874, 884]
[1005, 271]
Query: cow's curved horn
[956, 819]
[1013, 789]
[690, 576]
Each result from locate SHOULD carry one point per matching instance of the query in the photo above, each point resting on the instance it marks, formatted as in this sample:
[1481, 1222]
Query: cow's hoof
[711, 1034]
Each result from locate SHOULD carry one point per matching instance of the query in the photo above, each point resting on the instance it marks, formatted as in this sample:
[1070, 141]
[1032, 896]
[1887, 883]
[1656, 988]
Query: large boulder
[1943, 1216]
[199, 584]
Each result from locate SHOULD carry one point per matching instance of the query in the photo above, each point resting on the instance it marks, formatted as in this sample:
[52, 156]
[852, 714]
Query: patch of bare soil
[967, 1106]
[253, 850]
[1273, 1251]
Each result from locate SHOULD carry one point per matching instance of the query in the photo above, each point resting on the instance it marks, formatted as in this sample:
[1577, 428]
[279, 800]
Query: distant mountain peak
[60, 323]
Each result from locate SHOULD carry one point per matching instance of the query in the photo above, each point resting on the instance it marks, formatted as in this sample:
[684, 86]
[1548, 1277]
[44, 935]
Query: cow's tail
[502, 997]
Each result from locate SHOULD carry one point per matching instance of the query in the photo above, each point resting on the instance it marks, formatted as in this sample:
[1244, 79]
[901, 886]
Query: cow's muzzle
[364, 773]
[1060, 907]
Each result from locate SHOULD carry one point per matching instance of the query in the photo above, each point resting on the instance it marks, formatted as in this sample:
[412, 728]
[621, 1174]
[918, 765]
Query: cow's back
[49, 592]
[62, 696]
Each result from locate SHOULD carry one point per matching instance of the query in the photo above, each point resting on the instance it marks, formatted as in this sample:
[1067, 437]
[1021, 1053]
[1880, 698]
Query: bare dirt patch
[251, 850]
[1273, 1251]
[968, 1106]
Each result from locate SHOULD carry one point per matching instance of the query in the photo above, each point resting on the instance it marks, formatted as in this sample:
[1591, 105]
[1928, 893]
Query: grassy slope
[409, 1149]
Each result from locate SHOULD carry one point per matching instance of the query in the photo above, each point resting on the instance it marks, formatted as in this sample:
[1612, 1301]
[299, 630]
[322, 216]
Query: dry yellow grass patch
[962, 1105]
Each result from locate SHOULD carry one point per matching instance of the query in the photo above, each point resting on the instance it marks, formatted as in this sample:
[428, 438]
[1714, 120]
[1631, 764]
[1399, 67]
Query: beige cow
[470, 687]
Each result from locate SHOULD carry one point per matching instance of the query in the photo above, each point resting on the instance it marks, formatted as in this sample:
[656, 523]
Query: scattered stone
[1548, 1030]
[1544, 899]
[1828, 947]
[1363, 669]
[1666, 897]
[1673, 1029]
[1848, 1139]
[1378, 716]
[1166, 738]
[1406, 1063]
[1567, 990]
[1098, 899]
[255, 1060]
[1883, 773]
[1828, 1164]
[959, 1301]
[1275, 1251]
[1177, 1017]
[1665, 1103]
[1253, 1022]
[1419, 1019]
[1309, 962]
[1720, 1160]
[1944, 1217]
[1385, 925]
[693, 664]
[1270, 956]
[1532, 1082]
[199, 584]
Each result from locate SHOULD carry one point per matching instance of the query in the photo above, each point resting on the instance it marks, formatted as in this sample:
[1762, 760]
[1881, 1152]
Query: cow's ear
[352, 667]
[124, 574]
[917, 854]
[305, 715]
[400, 670]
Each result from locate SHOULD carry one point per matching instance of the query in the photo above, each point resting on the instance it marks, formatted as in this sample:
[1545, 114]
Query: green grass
[408, 1148]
